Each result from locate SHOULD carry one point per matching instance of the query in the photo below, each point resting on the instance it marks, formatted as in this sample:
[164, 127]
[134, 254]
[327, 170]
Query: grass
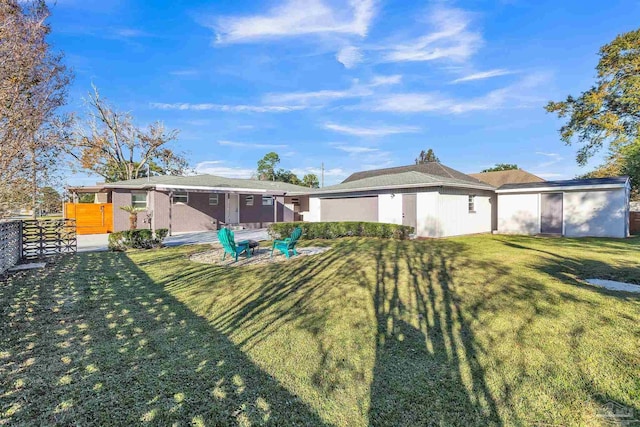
[481, 330]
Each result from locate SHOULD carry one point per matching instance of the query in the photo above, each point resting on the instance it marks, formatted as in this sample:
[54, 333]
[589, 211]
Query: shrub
[136, 239]
[332, 230]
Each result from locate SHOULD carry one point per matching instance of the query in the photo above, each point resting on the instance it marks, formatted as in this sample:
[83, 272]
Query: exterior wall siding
[390, 208]
[257, 214]
[349, 209]
[519, 213]
[314, 214]
[197, 214]
[595, 213]
[455, 218]
[428, 222]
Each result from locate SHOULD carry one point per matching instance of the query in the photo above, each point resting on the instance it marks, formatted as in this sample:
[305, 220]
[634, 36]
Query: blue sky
[356, 84]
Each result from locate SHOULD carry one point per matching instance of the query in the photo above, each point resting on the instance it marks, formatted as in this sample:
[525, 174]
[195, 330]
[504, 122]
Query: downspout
[170, 210]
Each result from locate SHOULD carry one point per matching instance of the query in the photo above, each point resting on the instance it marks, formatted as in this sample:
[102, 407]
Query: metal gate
[48, 237]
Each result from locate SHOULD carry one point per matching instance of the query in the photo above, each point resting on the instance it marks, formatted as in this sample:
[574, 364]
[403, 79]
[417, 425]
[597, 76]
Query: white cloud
[553, 159]
[483, 75]
[296, 18]
[349, 56]
[524, 93]
[386, 80]
[354, 149]
[215, 167]
[370, 131]
[450, 39]
[225, 108]
[250, 145]
[321, 97]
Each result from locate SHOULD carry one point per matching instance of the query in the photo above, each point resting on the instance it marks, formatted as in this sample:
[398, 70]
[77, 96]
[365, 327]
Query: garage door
[349, 209]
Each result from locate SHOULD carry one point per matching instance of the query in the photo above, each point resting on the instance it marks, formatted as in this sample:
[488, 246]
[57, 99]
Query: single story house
[200, 202]
[436, 200]
[597, 207]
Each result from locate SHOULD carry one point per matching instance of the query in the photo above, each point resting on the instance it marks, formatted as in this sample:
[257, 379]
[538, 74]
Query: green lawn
[481, 330]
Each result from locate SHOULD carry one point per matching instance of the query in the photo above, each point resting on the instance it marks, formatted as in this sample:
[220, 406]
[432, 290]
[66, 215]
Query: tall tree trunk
[34, 182]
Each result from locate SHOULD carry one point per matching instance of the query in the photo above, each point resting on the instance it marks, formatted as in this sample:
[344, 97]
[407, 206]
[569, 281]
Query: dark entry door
[551, 213]
[409, 210]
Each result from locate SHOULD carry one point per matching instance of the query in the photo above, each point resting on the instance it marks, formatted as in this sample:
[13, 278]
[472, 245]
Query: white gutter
[393, 187]
[169, 187]
[562, 188]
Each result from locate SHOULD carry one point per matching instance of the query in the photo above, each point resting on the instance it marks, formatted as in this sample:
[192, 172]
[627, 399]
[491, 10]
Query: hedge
[332, 230]
[136, 239]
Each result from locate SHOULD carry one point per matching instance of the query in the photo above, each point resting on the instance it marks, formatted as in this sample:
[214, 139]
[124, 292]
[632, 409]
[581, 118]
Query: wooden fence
[10, 244]
[634, 222]
[91, 218]
[42, 238]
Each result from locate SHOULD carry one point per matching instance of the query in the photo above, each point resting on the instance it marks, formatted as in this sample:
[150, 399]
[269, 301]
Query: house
[434, 199]
[596, 207]
[198, 203]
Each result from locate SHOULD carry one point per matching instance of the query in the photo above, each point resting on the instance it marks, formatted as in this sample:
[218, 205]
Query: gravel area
[262, 255]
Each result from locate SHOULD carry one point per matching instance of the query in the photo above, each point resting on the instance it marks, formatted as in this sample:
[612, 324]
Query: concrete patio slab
[100, 242]
[613, 285]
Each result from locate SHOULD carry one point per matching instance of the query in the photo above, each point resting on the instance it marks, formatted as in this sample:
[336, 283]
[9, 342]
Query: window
[213, 199]
[472, 204]
[267, 200]
[139, 200]
[181, 197]
[249, 200]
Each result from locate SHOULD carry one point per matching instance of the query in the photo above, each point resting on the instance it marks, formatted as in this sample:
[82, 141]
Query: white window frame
[268, 199]
[138, 204]
[217, 199]
[180, 194]
[248, 200]
[472, 203]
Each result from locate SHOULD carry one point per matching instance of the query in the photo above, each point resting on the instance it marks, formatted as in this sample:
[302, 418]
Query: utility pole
[322, 182]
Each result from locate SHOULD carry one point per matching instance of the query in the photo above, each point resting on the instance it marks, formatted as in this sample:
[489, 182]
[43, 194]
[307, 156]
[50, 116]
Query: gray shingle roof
[568, 183]
[410, 179]
[430, 168]
[206, 181]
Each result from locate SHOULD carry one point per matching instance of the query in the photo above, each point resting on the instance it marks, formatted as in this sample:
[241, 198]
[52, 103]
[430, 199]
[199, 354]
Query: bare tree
[109, 144]
[33, 85]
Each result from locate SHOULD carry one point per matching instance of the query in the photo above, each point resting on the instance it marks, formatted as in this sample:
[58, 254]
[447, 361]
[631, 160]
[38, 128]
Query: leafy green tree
[267, 166]
[50, 200]
[283, 175]
[427, 157]
[609, 112]
[502, 167]
[623, 161]
[310, 180]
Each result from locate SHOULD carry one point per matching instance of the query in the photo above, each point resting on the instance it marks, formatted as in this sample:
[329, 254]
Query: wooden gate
[634, 222]
[91, 218]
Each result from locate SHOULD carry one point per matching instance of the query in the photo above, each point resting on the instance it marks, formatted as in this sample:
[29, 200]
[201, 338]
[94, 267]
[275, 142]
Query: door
[551, 213]
[409, 210]
[232, 212]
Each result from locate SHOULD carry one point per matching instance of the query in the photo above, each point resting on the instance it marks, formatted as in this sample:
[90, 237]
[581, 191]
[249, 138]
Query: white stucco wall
[455, 218]
[313, 215]
[595, 213]
[519, 213]
[390, 208]
[428, 223]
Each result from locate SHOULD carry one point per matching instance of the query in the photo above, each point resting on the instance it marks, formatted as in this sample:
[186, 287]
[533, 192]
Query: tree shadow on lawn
[94, 341]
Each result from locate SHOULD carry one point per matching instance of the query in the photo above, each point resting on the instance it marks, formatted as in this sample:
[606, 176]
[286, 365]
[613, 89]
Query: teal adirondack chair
[231, 247]
[288, 244]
